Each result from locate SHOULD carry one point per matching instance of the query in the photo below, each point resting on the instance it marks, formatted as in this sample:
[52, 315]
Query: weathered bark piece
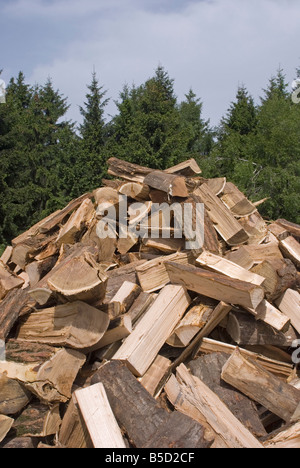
[16, 303]
[38, 420]
[289, 304]
[52, 381]
[123, 299]
[187, 168]
[19, 443]
[216, 286]
[134, 190]
[73, 432]
[8, 281]
[208, 369]
[288, 438]
[76, 325]
[153, 275]
[279, 274]
[213, 410]
[236, 201]
[173, 185]
[225, 223]
[78, 280]
[281, 369]
[293, 228]
[13, 396]
[245, 330]
[144, 416]
[78, 220]
[291, 249]
[191, 324]
[127, 171]
[5, 426]
[154, 374]
[227, 268]
[99, 418]
[140, 349]
[261, 386]
[268, 314]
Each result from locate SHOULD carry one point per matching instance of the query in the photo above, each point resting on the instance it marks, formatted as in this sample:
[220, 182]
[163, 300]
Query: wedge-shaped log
[289, 304]
[155, 373]
[216, 286]
[78, 280]
[73, 434]
[140, 349]
[261, 386]
[173, 185]
[123, 299]
[15, 304]
[224, 221]
[268, 314]
[236, 201]
[212, 410]
[99, 418]
[291, 227]
[291, 249]
[76, 325]
[8, 281]
[187, 168]
[75, 224]
[5, 426]
[228, 268]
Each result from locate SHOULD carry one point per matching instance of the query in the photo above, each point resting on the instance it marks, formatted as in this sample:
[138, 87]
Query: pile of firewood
[130, 341]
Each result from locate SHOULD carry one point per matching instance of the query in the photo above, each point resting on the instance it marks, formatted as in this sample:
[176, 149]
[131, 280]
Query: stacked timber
[160, 310]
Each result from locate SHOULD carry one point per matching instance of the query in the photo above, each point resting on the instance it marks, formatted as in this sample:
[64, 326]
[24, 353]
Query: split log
[43, 296]
[16, 303]
[13, 396]
[139, 307]
[255, 228]
[134, 190]
[212, 409]
[52, 381]
[154, 374]
[75, 325]
[118, 329]
[286, 438]
[78, 280]
[38, 420]
[38, 269]
[278, 231]
[173, 185]
[144, 418]
[279, 274]
[187, 168]
[5, 426]
[105, 198]
[289, 304]
[123, 299]
[19, 443]
[215, 285]
[293, 228]
[240, 257]
[268, 314]
[291, 249]
[228, 268]
[127, 171]
[168, 246]
[225, 223]
[153, 275]
[8, 281]
[73, 432]
[140, 349]
[245, 330]
[69, 233]
[6, 256]
[236, 201]
[208, 369]
[261, 386]
[99, 418]
[118, 276]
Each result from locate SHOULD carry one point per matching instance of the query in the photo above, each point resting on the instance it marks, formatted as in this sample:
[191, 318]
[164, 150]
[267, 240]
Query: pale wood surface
[289, 304]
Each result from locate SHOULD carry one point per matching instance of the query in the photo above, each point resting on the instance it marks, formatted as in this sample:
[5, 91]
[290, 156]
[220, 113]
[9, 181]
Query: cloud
[211, 46]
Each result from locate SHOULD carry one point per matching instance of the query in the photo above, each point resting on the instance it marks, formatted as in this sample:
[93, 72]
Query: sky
[211, 46]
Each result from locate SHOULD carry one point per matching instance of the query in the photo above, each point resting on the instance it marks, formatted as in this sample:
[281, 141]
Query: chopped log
[8, 281]
[154, 374]
[225, 223]
[99, 418]
[105, 197]
[117, 277]
[5, 426]
[77, 280]
[255, 227]
[38, 420]
[16, 303]
[212, 409]
[187, 168]
[208, 369]
[73, 432]
[168, 246]
[75, 325]
[241, 257]
[127, 171]
[6, 256]
[261, 386]
[173, 185]
[123, 299]
[127, 239]
[144, 417]
[140, 305]
[78, 220]
[278, 231]
[140, 349]
[228, 268]
[42, 296]
[293, 228]
[13, 396]
[289, 304]
[118, 329]
[215, 285]
[153, 275]
[279, 274]
[135, 191]
[236, 201]
[268, 314]
[38, 269]
[245, 330]
[291, 249]
[191, 324]
[286, 438]
[52, 381]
